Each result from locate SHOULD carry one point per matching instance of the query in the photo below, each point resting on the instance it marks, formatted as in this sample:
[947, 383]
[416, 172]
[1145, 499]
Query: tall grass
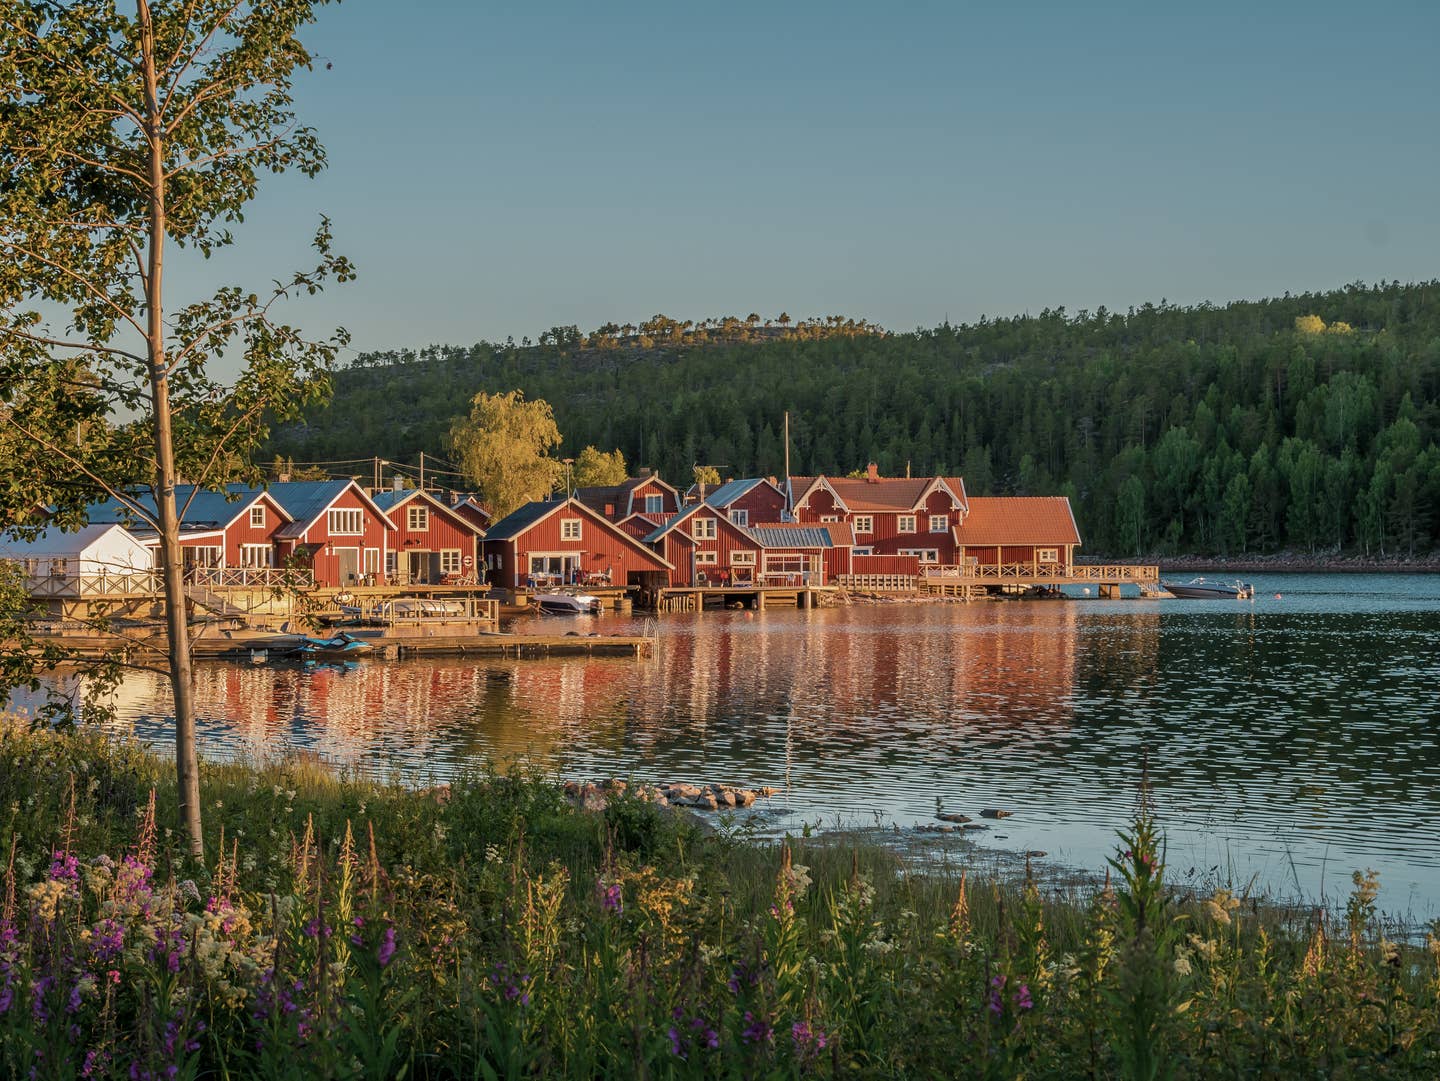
[350, 929]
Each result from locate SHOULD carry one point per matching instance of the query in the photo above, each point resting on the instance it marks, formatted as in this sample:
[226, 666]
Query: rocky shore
[1285, 562]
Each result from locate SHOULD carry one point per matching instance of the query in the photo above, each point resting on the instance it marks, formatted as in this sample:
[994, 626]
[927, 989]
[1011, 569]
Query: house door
[349, 565]
[418, 566]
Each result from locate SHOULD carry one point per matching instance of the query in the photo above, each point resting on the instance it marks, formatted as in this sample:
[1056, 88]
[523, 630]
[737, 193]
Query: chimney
[872, 474]
[397, 484]
[644, 471]
[283, 478]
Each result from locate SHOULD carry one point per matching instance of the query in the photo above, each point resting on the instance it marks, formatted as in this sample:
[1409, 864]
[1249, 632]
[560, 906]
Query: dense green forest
[1305, 422]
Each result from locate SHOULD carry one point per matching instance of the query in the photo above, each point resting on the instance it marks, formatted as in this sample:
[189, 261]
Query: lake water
[1291, 740]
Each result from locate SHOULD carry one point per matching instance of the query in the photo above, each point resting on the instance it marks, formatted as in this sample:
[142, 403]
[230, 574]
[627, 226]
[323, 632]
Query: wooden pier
[975, 581]
[679, 599]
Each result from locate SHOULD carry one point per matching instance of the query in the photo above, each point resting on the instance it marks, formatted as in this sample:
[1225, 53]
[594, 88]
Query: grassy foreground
[351, 929]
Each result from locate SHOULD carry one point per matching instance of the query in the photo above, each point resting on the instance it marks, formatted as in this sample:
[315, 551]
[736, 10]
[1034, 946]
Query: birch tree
[124, 140]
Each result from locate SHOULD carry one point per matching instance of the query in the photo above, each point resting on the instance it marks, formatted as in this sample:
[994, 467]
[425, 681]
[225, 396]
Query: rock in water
[951, 816]
[992, 812]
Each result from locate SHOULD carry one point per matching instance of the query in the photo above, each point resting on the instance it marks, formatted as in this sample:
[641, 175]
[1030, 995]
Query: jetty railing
[102, 583]
[877, 583]
[1041, 572]
[251, 577]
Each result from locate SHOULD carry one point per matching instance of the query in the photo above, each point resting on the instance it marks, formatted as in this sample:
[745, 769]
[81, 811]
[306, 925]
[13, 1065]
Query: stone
[1035, 854]
[592, 799]
[993, 812]
[951, 816]
[708, 801]
[745, 797]
[572, 788]
[616, 786]
[975, 826]
[765, 792]
[678, 792]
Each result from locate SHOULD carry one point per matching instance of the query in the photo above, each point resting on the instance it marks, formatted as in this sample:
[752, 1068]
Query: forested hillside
[1309, 422]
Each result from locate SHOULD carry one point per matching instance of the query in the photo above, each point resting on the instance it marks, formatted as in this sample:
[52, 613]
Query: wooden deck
[678, 599]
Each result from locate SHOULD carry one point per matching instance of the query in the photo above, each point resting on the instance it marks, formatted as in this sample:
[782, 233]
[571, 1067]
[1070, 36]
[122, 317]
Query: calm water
[1290, 740]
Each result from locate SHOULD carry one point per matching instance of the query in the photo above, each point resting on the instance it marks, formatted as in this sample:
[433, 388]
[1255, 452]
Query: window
[257, 517]
[257, 555]
[389, 562]
[925, 555]
[906, 523]
[569, 529]
[939, 523]
[829, 518]
[450, 561]
[372, 560]
[654, 504]
[864, 523]
[740, 517]
[417, 519]
[742, 559]
[862, 551]
[707, 559]
[1047, 555]
[345, 522]
[704, 529]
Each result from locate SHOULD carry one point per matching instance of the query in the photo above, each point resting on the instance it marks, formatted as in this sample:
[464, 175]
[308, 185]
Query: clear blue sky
[499, 169]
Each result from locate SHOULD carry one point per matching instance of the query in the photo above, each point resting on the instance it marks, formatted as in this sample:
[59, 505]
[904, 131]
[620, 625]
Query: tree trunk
[187, 769]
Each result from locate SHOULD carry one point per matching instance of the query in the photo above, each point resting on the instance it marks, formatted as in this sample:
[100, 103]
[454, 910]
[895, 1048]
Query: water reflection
[1293, 740]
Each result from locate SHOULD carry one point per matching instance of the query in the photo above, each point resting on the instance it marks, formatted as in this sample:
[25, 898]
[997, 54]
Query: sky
[498, 169]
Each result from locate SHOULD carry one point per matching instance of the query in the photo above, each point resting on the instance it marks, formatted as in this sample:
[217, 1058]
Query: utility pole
[377, 474]
[787, 463]
[422, 470]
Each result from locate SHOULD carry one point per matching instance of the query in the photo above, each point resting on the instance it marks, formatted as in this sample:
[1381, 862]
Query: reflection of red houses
[432, 543]
[646, 494]
[563, 542]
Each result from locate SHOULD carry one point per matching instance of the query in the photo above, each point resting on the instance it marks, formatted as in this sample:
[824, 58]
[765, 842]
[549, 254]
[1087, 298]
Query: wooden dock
[681, 599]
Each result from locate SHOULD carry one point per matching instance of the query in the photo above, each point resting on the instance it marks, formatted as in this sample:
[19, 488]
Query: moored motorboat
[568, 604]
[1205, 589]
[342, 645]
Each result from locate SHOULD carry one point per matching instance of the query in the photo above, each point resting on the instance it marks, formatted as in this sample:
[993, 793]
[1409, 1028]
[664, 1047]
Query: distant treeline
[1307, 422]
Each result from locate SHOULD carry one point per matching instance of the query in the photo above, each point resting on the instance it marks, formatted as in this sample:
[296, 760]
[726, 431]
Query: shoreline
[1285, 563]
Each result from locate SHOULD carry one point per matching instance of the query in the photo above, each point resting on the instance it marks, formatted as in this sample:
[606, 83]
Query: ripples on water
[1292, 740]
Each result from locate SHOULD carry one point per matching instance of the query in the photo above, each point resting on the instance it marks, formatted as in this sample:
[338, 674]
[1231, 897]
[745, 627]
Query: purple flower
[757, 1030]
[997, 985]
[64, 867]
[387, 947]
[107, 940]
[611, 900]
[677, 1047]
[807, 1040]
[1022, 998]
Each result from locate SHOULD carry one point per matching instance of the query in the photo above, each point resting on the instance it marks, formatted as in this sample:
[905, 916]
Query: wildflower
[611, 899]
[807, 1039]
[997, 985]
[757, 1029]
[1022, 998]
[676, 1046]
[64, 867]
[387, 947]
[1182, 964]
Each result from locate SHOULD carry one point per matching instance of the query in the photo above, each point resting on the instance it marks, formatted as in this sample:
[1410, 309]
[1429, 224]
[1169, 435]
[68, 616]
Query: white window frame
[257, 516]
[450, 561]
[257, 555]
[417, 519]
[571, 529]
[345, 521]
[925, 555]
[703, 529]
[1047, 555]
[939, 523]
[654, 503]
[905, 523]
[739, 516]
[707, 559]
[864, 523]
[862, 551]
[742, 558]
[370, 560]
[391, 561]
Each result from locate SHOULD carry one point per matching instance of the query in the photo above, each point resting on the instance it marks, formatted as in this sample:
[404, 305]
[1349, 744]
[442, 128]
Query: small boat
[568, 604]
[1204, 589]
[343, 646]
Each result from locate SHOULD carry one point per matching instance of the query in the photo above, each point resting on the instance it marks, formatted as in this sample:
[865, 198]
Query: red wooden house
[470, 509]
[335, 529]
[707, 548]
[218, 530]
[646, 494]
[563, 542]
[1034, 531]
[433, 543]
[752, 501]
[889, 515]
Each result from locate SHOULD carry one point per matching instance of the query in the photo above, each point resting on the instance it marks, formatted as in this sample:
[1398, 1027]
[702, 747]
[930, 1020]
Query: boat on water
[568, 604]
[1206, 589]
[341, 646]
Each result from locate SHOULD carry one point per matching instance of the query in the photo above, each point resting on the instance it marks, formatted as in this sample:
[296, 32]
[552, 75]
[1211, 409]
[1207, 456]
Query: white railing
[251, 577]
[100, 584]
[1033, 572]
[877, 583]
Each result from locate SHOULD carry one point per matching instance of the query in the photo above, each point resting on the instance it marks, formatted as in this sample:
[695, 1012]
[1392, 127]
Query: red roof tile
[1019, 520]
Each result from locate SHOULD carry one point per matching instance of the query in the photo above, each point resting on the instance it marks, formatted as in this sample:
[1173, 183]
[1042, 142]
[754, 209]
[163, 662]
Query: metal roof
[791, 536]
[214, 509]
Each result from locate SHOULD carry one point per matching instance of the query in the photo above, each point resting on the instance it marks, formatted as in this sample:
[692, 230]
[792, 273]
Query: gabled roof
[208, 509]
[620, 496]
[531, 514]
[470, 505]
[1004, 520]
[391, 500]
[306, 500]
[732, 490]
[675, 521]
[54, 541]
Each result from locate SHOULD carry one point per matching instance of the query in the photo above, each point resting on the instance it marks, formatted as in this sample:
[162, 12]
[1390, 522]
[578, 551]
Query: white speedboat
[568, 604]
[1203, 589]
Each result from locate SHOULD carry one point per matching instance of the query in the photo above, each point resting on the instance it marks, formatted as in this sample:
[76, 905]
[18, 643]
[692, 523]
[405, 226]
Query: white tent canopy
[92, 549]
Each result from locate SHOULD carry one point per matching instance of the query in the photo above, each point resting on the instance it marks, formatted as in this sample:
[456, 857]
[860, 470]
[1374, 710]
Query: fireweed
[358, 930]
